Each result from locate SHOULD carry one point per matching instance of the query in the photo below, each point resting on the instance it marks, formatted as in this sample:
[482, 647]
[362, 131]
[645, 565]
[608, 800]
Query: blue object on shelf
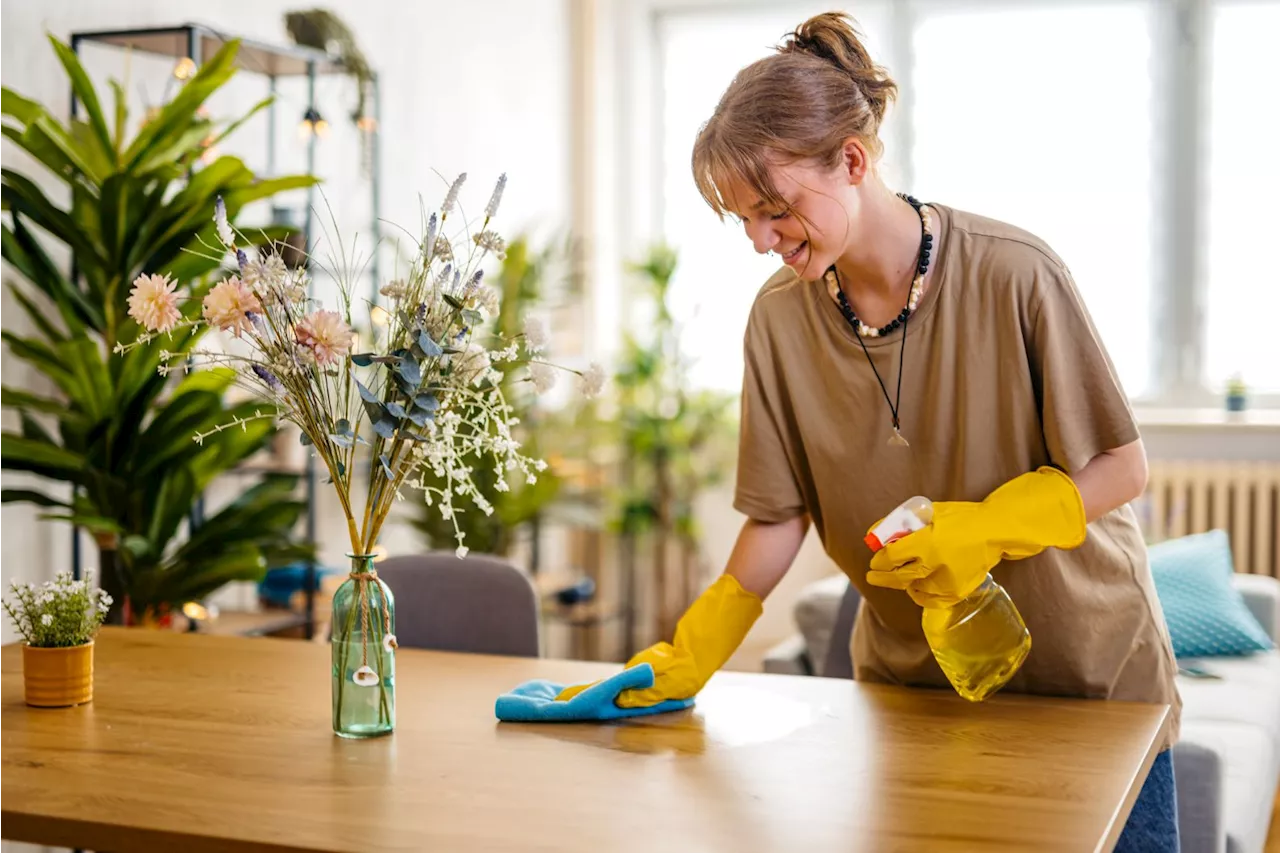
[577, 593]
[535, 701]
[279, 585]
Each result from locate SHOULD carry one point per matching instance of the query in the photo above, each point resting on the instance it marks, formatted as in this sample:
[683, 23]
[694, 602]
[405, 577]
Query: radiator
[1241, 498]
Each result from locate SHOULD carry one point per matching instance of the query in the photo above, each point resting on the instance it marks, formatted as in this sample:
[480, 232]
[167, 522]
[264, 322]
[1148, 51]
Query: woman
[912, 349]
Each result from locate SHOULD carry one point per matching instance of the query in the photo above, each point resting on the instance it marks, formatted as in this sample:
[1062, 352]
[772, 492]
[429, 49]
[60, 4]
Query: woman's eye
[783, 215]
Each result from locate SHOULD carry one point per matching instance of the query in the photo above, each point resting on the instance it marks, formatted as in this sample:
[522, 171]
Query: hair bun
[833, 38]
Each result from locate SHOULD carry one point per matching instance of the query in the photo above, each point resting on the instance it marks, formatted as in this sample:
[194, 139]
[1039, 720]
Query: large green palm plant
[117, 431]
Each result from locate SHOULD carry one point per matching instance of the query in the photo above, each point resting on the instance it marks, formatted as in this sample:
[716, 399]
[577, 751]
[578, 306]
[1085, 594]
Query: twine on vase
[363, 579]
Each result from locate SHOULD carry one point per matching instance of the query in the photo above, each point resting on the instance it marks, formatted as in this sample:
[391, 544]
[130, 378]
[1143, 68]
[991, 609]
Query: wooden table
[198, 743]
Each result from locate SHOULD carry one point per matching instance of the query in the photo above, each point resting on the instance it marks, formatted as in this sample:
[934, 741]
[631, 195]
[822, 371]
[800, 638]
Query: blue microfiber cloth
[535, 701]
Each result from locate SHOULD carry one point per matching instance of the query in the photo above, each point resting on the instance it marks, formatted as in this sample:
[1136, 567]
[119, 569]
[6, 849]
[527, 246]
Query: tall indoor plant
[672, 436]
[116, 431]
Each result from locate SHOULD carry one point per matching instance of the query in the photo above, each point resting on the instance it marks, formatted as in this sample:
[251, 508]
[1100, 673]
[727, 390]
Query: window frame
[1182, 40]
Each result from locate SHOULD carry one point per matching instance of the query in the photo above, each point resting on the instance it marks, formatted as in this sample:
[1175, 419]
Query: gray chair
[477, 604]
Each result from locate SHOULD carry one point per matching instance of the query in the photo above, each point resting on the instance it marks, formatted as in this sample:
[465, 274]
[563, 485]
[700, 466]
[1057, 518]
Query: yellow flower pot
[58, 678]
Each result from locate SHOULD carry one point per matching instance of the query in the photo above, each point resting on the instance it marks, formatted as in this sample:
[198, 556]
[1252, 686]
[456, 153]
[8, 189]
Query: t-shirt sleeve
[1083, 407]
[767, 489]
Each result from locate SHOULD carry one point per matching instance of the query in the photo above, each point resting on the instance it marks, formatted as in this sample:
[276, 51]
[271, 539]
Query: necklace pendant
[897, 440]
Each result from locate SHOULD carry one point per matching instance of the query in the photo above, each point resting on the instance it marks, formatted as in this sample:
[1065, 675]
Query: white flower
[443, 250]
[591, 381]
[491, 241]
[489, 300]
[365, 676]
[491, 209]
[46, 620]
[394, 289]
[451, 198]
[389, 643]
[229, 304]
[462, 551]
[536, 336]
[277, 272]
[543, 376]
[153, 303]
[225, 234]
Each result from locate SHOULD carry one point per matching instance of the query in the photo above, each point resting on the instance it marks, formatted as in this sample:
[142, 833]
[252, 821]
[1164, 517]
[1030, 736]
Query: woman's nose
[762, 236]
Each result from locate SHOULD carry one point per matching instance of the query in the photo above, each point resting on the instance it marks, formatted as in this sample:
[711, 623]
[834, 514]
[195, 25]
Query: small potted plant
[57, 621]
[1237, 394]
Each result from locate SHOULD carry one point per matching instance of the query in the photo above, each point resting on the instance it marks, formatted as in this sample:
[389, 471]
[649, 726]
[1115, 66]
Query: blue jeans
[1153, 824]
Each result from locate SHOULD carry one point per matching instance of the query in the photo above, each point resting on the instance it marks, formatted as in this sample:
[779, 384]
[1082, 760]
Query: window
[1046, 116]
[1243, 294]
[718, 273]
[1011, 124]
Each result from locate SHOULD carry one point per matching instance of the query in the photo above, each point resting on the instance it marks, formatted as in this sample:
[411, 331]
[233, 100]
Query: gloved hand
[537, 701]
[940, 565]
[707, 634]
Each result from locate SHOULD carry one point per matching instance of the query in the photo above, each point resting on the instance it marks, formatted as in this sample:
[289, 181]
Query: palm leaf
[88, 97]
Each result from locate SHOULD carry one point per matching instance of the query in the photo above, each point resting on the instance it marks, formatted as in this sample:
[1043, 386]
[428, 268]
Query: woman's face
[818, 227]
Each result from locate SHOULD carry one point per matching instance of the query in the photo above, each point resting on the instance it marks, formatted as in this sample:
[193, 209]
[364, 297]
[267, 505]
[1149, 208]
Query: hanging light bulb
[312, 122]
[185, 68]
[379, 553]
[367, 124]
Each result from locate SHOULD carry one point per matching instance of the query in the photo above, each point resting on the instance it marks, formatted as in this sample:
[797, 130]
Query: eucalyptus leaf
[304, 439]
[363, 359]
[472, 318]
[410, 371]
[385, 427]
[397, 411]
[420, 417]
[429, 347]
[386, 466]
[426, 402]
[342, 427]
[341, 440]
[365, 394]
[452, 302]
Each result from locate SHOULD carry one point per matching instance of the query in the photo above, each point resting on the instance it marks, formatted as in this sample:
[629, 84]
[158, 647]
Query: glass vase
[363, 649]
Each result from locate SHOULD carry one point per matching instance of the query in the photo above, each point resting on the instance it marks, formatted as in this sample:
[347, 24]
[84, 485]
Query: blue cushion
[1205, 612]
[535, 701]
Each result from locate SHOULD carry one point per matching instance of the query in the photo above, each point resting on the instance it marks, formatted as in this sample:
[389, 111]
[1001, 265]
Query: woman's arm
[764, 553]
[1112, 479]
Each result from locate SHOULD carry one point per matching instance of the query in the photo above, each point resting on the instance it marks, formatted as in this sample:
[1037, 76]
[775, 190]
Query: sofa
[1227, 762]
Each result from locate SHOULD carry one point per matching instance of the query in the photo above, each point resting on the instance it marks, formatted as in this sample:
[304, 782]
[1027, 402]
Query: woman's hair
[802, 103]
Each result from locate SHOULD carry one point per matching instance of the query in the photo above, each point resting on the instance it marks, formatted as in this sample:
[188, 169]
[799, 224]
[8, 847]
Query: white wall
[481, 87]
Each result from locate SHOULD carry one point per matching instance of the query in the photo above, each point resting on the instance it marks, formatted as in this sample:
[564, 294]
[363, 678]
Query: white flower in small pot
[58, 621]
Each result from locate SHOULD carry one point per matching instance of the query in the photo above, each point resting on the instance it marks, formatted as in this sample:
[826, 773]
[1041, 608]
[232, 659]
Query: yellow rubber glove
[942, 564]
[707, 634]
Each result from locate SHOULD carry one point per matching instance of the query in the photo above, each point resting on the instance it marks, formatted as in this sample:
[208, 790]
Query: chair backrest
[475, 604]
[839, 659]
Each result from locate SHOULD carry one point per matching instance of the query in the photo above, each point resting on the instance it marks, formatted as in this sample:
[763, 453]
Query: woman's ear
[856, 162]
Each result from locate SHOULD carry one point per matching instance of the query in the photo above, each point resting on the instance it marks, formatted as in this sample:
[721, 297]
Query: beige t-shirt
[1004, 373]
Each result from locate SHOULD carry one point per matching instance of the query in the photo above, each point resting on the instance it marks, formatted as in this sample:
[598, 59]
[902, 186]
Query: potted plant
[57, 621]
[111, 440]
[1237, 394]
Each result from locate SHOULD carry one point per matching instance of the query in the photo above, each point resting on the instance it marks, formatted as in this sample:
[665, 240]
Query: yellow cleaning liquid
[979, 643]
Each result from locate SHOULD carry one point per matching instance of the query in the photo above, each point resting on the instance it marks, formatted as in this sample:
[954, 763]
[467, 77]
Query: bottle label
[897, 524]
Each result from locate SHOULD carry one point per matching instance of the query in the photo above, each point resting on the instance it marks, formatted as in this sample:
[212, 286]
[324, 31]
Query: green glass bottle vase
[364, 653]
